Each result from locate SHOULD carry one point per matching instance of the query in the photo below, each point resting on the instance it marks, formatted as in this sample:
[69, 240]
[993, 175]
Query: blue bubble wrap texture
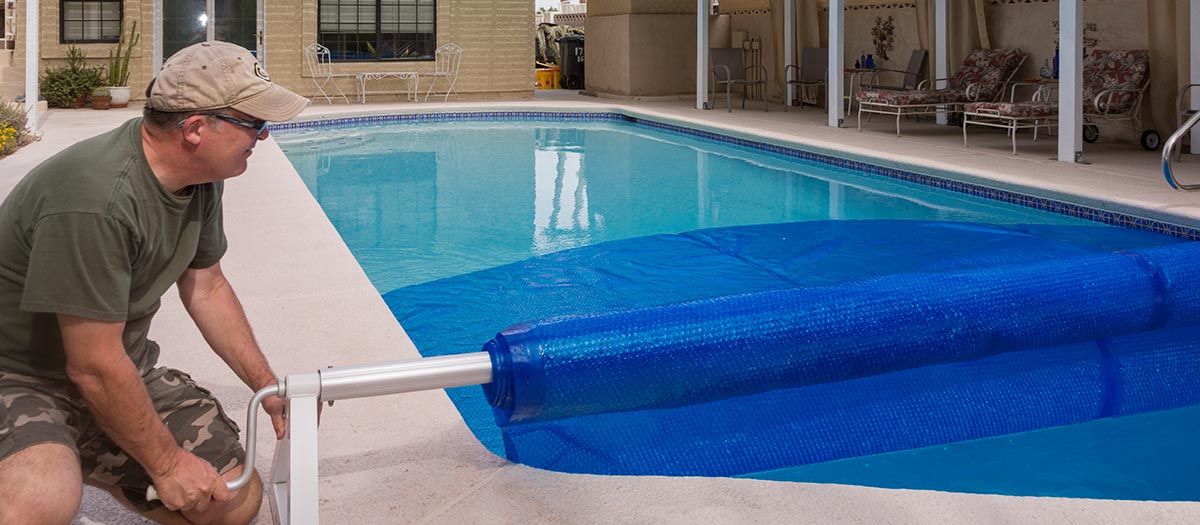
[744, 349]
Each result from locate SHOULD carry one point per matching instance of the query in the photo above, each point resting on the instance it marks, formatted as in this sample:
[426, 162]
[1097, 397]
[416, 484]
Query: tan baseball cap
[215, 75]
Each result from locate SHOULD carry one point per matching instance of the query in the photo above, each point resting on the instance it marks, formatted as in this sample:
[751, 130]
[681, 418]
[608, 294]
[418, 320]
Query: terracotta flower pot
[101, 102]
[78, 102]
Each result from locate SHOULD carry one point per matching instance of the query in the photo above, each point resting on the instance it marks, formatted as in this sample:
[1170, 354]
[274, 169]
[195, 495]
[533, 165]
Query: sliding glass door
[186, 22]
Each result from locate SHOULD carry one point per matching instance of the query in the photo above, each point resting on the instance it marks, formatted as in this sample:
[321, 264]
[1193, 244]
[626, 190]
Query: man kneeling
[89, 242]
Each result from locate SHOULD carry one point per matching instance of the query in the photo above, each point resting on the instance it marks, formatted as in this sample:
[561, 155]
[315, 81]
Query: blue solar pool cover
[744, 349]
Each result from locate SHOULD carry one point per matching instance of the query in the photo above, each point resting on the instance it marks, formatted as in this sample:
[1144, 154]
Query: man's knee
[40, 484]
[239, 510]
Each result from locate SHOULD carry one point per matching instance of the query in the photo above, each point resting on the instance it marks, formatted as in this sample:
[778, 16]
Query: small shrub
[62, 85]
[13, 130]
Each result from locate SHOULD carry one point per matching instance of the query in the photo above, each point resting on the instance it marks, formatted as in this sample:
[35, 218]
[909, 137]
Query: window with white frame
[90, 20]
[368, 30]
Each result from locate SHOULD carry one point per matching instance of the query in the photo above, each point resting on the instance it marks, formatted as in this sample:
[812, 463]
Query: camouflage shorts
[35, 411]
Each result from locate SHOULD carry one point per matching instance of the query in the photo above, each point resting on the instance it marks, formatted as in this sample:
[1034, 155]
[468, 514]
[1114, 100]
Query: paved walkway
[410, 459]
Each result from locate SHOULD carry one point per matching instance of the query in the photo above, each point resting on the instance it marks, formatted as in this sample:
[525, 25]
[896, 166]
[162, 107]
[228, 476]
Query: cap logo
[260, 72]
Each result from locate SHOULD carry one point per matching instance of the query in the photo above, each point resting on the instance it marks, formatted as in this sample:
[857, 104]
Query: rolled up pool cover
[743, 349]
[739, 345]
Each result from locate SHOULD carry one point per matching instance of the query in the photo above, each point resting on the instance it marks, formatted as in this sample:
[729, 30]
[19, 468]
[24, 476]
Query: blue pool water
[421, 203]
[418, 202]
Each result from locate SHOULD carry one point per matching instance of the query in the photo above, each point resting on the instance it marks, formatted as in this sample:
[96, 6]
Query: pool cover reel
[937, 347]
[739, 345]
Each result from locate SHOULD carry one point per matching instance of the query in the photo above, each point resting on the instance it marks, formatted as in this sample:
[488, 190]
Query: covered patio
[773, 32]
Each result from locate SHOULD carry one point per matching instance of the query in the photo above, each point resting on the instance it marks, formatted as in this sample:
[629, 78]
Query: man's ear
[194, 128]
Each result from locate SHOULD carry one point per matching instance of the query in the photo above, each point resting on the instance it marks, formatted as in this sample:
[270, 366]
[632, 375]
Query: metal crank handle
[251, 430]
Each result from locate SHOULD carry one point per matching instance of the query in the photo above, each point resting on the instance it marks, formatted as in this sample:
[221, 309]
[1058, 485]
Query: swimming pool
[423, 202]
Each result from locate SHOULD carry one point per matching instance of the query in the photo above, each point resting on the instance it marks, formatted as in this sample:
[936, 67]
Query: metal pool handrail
[1169, 151]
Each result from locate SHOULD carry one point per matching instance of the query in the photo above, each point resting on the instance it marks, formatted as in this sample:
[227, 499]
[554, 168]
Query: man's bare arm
[115, 394]
[213, 305]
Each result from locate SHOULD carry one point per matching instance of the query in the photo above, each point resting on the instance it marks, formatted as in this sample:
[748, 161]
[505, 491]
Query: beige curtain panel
[1170, 57]
[967, 27]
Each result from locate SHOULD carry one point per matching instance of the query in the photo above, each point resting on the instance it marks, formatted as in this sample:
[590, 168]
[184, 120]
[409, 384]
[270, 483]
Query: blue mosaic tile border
[462, 116]
[1028, 201]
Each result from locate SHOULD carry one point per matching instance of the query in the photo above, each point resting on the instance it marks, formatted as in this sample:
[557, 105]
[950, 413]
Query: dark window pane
[90, 20]
[378, 29]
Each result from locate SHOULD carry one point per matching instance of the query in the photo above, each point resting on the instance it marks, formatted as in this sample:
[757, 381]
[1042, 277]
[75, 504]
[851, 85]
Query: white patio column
[702, 8]
[1070, 80]
[158, 36]
[941, 46]
[789, 47]
[1194, 30]
[836, 77]
[33, 59]
[210, 26]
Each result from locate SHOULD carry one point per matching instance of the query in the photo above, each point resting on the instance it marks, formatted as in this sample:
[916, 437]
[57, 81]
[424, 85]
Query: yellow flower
[8, 139]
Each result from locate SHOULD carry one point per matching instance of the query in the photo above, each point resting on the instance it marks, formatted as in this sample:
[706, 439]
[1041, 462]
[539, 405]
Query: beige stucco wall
[642, 50]
[1120, 24]
[496, 37]
[606, 69]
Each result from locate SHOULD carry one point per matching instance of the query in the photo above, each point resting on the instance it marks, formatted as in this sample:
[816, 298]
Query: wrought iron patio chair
[316, 57]
[1114, 83]
[811, 73]
[912, 73]
[726, 68]
[982, 77]
[446, 59]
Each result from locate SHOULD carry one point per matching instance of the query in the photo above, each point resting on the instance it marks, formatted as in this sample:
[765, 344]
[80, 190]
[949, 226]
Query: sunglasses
[257, 127]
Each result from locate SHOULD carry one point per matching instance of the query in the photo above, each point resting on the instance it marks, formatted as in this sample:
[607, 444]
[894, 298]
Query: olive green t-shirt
[92, 233]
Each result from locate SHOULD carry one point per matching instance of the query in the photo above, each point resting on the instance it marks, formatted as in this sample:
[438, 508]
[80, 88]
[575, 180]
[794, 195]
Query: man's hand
[275, 405]
[190, 483]
[277, 408]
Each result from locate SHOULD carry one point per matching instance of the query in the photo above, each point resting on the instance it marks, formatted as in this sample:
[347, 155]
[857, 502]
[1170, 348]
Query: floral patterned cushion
[989, 67]
[1114, 70]
[911, 97]
[1015, 110]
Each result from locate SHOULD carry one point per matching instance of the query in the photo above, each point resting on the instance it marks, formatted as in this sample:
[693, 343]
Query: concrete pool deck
[411, 459]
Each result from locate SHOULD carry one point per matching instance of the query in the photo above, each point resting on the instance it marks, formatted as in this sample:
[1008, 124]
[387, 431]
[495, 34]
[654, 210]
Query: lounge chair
[1040, 112]
[1114, 83]
[810, 73]
[982, 77]
[726, 68]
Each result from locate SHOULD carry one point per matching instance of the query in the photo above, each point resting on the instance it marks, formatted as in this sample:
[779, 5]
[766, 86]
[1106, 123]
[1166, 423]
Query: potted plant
[101, 99]
[69, 86]
[118, 66]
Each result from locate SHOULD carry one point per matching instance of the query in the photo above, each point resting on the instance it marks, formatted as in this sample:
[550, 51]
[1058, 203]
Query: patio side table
[409, 76]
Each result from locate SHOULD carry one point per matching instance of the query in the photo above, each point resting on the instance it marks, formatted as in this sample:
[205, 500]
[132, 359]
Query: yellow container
[547, 78]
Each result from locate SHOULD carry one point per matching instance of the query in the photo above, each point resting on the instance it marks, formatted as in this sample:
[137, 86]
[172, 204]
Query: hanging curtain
[1169, 59]
[808, 34]
[967, 30]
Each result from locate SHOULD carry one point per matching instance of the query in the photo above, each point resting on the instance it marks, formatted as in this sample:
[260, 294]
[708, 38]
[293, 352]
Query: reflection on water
[560, 210]
[416, 202]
